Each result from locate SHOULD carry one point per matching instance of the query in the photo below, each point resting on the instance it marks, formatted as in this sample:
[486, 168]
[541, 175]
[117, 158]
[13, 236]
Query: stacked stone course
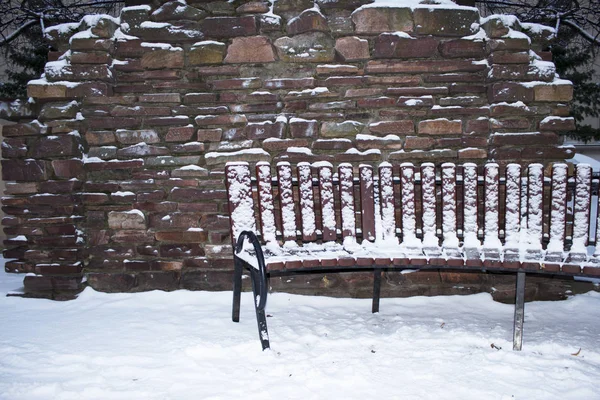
[120, 178]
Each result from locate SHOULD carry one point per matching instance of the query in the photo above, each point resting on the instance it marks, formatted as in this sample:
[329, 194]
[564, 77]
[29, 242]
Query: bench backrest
[450, 206]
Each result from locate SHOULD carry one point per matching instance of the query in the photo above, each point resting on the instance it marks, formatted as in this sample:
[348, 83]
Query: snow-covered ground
[183, 345]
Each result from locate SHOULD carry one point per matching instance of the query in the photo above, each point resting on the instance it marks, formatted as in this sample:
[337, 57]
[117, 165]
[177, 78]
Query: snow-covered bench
[312, 218]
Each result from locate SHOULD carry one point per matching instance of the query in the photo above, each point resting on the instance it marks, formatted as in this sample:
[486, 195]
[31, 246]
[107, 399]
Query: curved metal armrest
[262, 270]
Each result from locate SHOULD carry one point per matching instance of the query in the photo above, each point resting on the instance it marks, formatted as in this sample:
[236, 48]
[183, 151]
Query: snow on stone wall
[121, 174]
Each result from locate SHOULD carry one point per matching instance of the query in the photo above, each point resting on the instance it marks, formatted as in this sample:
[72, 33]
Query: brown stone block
[163, 206]
[195, 98]
[232, 84]
[111, 282]
[300, 128]
[557, 124]
[440, 126]
[524, 138]
[228, 27]
[308, 21]
[175, 220]
[509, 57]
[77, 72]
[253, 7]
[555, 92]
[227, 119]
[462, 48]
[472, 153]
[181, 250]
[332, 144]
[511, 123]
[306, 47]
[125, 111]
[395, 45]
[421, 101]
[478, 126]
[179, 134]
[30, 129]
[253, 49]
[352, 48]
[510, 92]
[14, 148]
[378, 102]
[209, 52]
[379, 20]
[402, 127]
[418, 143]
[290, 83]
[67, 169]
[167, 121]
[423, 66]
[44, 90]
[159, 58]
[446, 22]
[25, 170]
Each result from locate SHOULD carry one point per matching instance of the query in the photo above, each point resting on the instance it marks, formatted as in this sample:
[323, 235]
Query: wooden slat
[449, 205]
[239, 196]
[386, 202]
[409, 221]
[327, 202]
[367, 202]
[428, 202]
[307, 202]
[535, 188]
[470, 203]
[265, 202]
[491, 209]
[512, 214]
[558, 209]
[346, 177]
[581, 209]
[286, 198]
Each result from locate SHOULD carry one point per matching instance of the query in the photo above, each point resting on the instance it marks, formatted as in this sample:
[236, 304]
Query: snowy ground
[182, 345]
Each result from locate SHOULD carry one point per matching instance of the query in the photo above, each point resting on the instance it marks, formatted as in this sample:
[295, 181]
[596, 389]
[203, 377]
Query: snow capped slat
[581, 209]
[449, 205]
[388, 210]
[470, 225]
[491, 177]
[558, 209]
[513, 206]
[347, 200]
[241, 206]
[409, 220]
[535, 188]
[307, 202]
[429, 205]
[265, 202]
[367, 202]
[327, 206]
[286, 197]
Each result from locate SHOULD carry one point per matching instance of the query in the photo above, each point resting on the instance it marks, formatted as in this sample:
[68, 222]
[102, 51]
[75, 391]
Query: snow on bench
[313, 218]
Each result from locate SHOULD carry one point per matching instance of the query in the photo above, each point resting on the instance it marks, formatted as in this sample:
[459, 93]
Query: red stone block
[228, 27]
[393, 45]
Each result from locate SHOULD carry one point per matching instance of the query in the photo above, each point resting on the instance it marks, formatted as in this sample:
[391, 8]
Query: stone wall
[119, 181]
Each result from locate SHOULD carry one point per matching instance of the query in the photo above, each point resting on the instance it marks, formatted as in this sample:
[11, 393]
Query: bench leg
[519, 312]
[376, 290]
[261, 319]
[237, 289]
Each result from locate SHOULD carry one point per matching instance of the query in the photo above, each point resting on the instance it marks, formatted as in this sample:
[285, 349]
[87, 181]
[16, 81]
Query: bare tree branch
[582, 32]
[18, 32]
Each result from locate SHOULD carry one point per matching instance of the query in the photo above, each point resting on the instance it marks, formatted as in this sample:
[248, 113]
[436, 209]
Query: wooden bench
[312, 218]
